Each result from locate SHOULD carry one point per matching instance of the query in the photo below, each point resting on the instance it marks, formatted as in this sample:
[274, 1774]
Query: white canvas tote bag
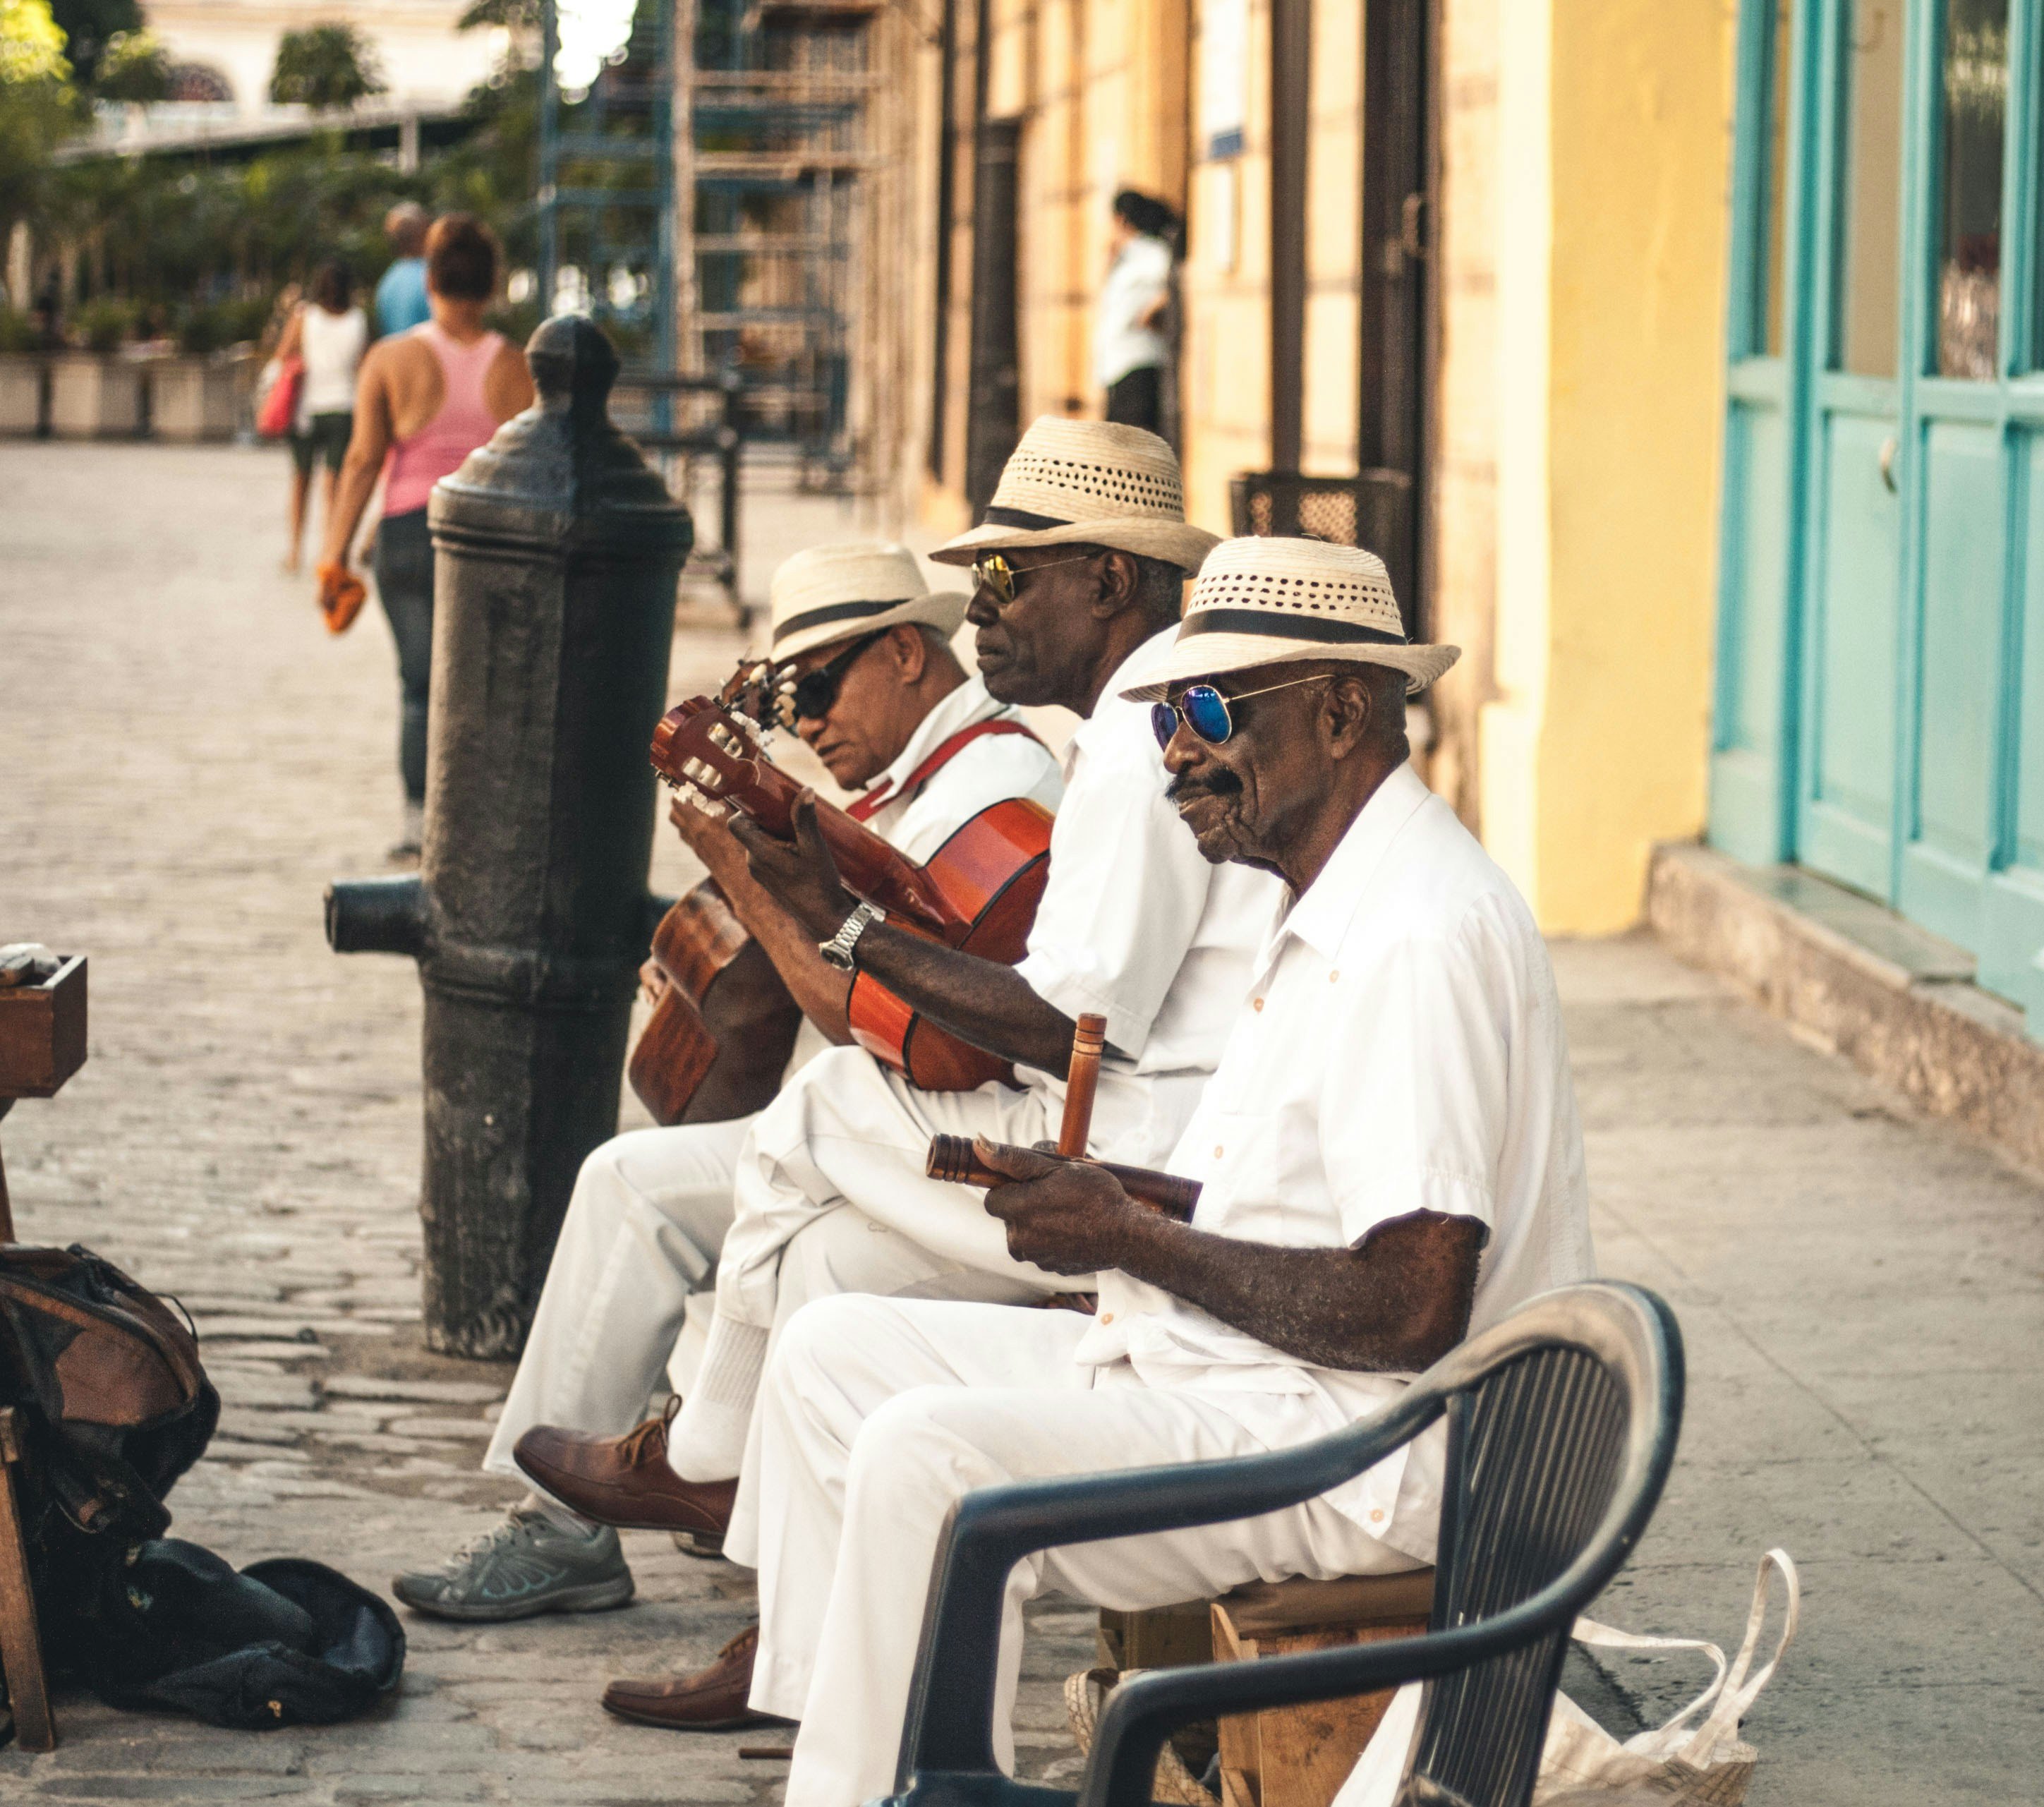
[1686, 1763]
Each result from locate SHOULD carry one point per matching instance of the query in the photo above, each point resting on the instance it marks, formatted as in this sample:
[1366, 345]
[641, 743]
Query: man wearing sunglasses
[1389, 1158]
[868, 680]
[1079, 569]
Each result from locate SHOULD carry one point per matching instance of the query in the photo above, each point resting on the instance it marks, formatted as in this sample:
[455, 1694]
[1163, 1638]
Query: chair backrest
[1537, 1450]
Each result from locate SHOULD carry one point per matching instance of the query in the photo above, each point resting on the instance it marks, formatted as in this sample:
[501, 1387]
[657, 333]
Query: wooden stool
[1299, 1756]
[42, 1043]
[20, 1643]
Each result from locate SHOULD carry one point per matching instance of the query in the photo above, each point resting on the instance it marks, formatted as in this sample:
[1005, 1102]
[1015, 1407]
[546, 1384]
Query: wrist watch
[838, 950]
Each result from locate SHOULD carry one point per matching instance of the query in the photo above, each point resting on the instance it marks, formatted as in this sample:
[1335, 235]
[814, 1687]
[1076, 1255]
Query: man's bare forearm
[823, 992]
[1394, 1305]
[981, 1001]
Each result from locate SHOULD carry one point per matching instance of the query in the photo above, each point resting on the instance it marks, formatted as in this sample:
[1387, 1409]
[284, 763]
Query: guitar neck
[869, 866]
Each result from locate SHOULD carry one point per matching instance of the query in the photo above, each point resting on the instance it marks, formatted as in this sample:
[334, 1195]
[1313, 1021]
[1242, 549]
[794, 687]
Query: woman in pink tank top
[427, 399]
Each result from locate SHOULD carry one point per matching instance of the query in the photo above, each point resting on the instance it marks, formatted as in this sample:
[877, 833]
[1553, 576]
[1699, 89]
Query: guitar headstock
[703, 745]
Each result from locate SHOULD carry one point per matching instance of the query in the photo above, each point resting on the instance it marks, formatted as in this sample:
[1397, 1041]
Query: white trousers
[846, 1130]
[876, 1415]
[647, 1217]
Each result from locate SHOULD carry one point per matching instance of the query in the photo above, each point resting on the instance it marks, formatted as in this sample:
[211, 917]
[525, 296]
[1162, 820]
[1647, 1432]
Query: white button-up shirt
[978, 775]
[1137, 926]
[1400, 1048]
[1137, 280]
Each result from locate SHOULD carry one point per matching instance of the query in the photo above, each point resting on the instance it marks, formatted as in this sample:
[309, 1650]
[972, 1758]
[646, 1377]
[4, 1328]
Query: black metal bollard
[557, 550]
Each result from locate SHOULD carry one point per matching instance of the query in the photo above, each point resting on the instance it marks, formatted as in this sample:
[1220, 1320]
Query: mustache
[1223, 783]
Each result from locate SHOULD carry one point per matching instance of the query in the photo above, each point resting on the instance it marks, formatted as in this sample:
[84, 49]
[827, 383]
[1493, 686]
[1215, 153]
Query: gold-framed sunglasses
[994, 572]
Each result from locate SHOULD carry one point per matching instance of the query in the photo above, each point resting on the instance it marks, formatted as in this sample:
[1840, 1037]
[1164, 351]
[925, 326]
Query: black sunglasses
[1204, 710]
[812, 695]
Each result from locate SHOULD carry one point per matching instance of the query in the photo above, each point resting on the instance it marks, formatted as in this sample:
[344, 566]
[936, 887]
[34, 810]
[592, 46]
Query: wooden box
[1299, 1756]
[42, 1033]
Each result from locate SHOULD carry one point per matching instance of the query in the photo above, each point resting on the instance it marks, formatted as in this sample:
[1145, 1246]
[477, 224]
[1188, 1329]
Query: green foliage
[133, 67]
[326, 67]
[88, 26]
[18, 331]
[104, 323]
[31, 45]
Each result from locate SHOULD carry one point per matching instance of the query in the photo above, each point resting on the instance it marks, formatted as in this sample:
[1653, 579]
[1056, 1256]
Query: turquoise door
[1881, 679]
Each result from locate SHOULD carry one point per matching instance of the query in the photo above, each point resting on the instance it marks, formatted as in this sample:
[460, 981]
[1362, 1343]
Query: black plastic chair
[1561, 1428]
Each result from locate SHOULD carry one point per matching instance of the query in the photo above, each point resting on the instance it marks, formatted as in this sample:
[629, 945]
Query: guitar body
[992, 872]
[978, 892]
[721, 1033]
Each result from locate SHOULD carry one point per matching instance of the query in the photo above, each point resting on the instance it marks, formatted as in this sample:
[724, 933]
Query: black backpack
[112, 1406]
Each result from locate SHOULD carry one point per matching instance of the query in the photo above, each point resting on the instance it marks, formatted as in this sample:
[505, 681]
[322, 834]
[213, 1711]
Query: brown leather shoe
[623, 1481]
[710, 1699]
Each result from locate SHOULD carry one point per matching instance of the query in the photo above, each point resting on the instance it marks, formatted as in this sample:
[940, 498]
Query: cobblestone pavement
[186, 757]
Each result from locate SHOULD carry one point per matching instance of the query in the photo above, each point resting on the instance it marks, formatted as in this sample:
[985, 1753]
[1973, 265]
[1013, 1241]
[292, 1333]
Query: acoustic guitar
[978, 893]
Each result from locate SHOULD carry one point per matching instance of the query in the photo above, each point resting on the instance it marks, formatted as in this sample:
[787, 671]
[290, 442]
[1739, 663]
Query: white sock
[706, 1442]
[571, 1524]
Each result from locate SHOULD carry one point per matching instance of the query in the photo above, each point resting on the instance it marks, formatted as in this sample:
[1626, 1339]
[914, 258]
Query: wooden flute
[955, 1159]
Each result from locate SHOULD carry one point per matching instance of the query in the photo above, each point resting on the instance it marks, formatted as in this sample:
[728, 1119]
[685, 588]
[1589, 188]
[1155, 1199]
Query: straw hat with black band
[831, 593]
[1087, 482]
[1271, 602]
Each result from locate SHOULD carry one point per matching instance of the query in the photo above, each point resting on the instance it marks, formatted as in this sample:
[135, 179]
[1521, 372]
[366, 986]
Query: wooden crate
[42, 1033]
[1299, 1756]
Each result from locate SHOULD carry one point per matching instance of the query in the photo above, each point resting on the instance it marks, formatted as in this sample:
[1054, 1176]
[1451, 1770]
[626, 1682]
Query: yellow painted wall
[1614, 128]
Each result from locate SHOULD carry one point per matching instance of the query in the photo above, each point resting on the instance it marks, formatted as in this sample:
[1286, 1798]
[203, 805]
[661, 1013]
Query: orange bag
[341, 595]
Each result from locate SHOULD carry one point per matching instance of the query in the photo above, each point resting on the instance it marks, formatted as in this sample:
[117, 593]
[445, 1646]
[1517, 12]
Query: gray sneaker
[525, 1566]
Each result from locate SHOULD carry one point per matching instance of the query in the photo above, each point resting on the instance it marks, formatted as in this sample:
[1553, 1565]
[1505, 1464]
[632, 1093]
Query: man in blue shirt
[401, 296]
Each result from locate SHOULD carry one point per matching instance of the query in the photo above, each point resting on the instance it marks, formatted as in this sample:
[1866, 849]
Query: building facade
[1683, 357]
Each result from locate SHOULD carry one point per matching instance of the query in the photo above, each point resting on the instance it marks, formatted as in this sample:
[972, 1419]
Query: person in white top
[863, 649]
[329, 332]
[1389, 1155]
[1079, 567]
[1129, 348]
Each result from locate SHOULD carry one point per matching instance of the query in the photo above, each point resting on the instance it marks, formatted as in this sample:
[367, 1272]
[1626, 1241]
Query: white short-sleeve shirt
[1135, 925]
[1400, 1048]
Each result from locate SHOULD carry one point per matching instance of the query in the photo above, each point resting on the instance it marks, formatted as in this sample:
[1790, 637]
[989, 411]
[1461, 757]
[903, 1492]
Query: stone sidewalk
[186, 757]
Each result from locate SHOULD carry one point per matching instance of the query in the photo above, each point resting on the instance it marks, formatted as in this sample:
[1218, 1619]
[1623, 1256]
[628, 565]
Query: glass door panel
[1975, 85]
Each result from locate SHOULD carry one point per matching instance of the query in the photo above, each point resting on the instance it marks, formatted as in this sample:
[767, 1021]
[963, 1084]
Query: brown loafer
[623, 1481]
[710, 1699]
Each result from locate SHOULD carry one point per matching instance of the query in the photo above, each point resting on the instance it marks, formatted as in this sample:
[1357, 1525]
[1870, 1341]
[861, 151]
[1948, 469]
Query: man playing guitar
[861, 654]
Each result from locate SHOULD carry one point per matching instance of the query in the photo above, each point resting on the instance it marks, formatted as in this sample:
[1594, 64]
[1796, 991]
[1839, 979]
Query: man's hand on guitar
[708, 836]
[800, 875]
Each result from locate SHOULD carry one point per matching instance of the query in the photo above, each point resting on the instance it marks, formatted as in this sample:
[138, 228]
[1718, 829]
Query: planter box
[192, 398]
[21, 393]
[95, 396]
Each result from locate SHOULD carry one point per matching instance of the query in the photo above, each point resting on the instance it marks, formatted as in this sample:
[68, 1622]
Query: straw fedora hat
[1265, 601]
[832, 593]
[1087, 482]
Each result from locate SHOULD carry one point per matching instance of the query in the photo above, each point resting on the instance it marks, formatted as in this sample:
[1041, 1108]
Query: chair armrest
[950, 1725]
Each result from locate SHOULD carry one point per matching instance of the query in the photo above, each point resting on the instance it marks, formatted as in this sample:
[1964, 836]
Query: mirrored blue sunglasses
[1204, 710]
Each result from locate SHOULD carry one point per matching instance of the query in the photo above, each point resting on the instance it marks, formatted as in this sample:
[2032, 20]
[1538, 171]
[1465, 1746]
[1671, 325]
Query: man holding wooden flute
[1388, 1156]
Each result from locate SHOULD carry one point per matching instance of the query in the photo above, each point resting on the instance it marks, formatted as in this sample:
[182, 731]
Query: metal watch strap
[838, 950]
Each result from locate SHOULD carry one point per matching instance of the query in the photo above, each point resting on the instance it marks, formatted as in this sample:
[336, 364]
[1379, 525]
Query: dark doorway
[993, 421]
[1399, 190]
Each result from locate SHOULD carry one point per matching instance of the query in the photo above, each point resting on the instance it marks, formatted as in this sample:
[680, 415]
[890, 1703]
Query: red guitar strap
[874, 801]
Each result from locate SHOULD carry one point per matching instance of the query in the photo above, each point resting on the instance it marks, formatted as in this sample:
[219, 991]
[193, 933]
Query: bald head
[404, 225]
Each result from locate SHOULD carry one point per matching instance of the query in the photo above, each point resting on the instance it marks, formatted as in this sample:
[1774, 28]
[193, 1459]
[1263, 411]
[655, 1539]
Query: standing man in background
[1129, 348]
[400, 295]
